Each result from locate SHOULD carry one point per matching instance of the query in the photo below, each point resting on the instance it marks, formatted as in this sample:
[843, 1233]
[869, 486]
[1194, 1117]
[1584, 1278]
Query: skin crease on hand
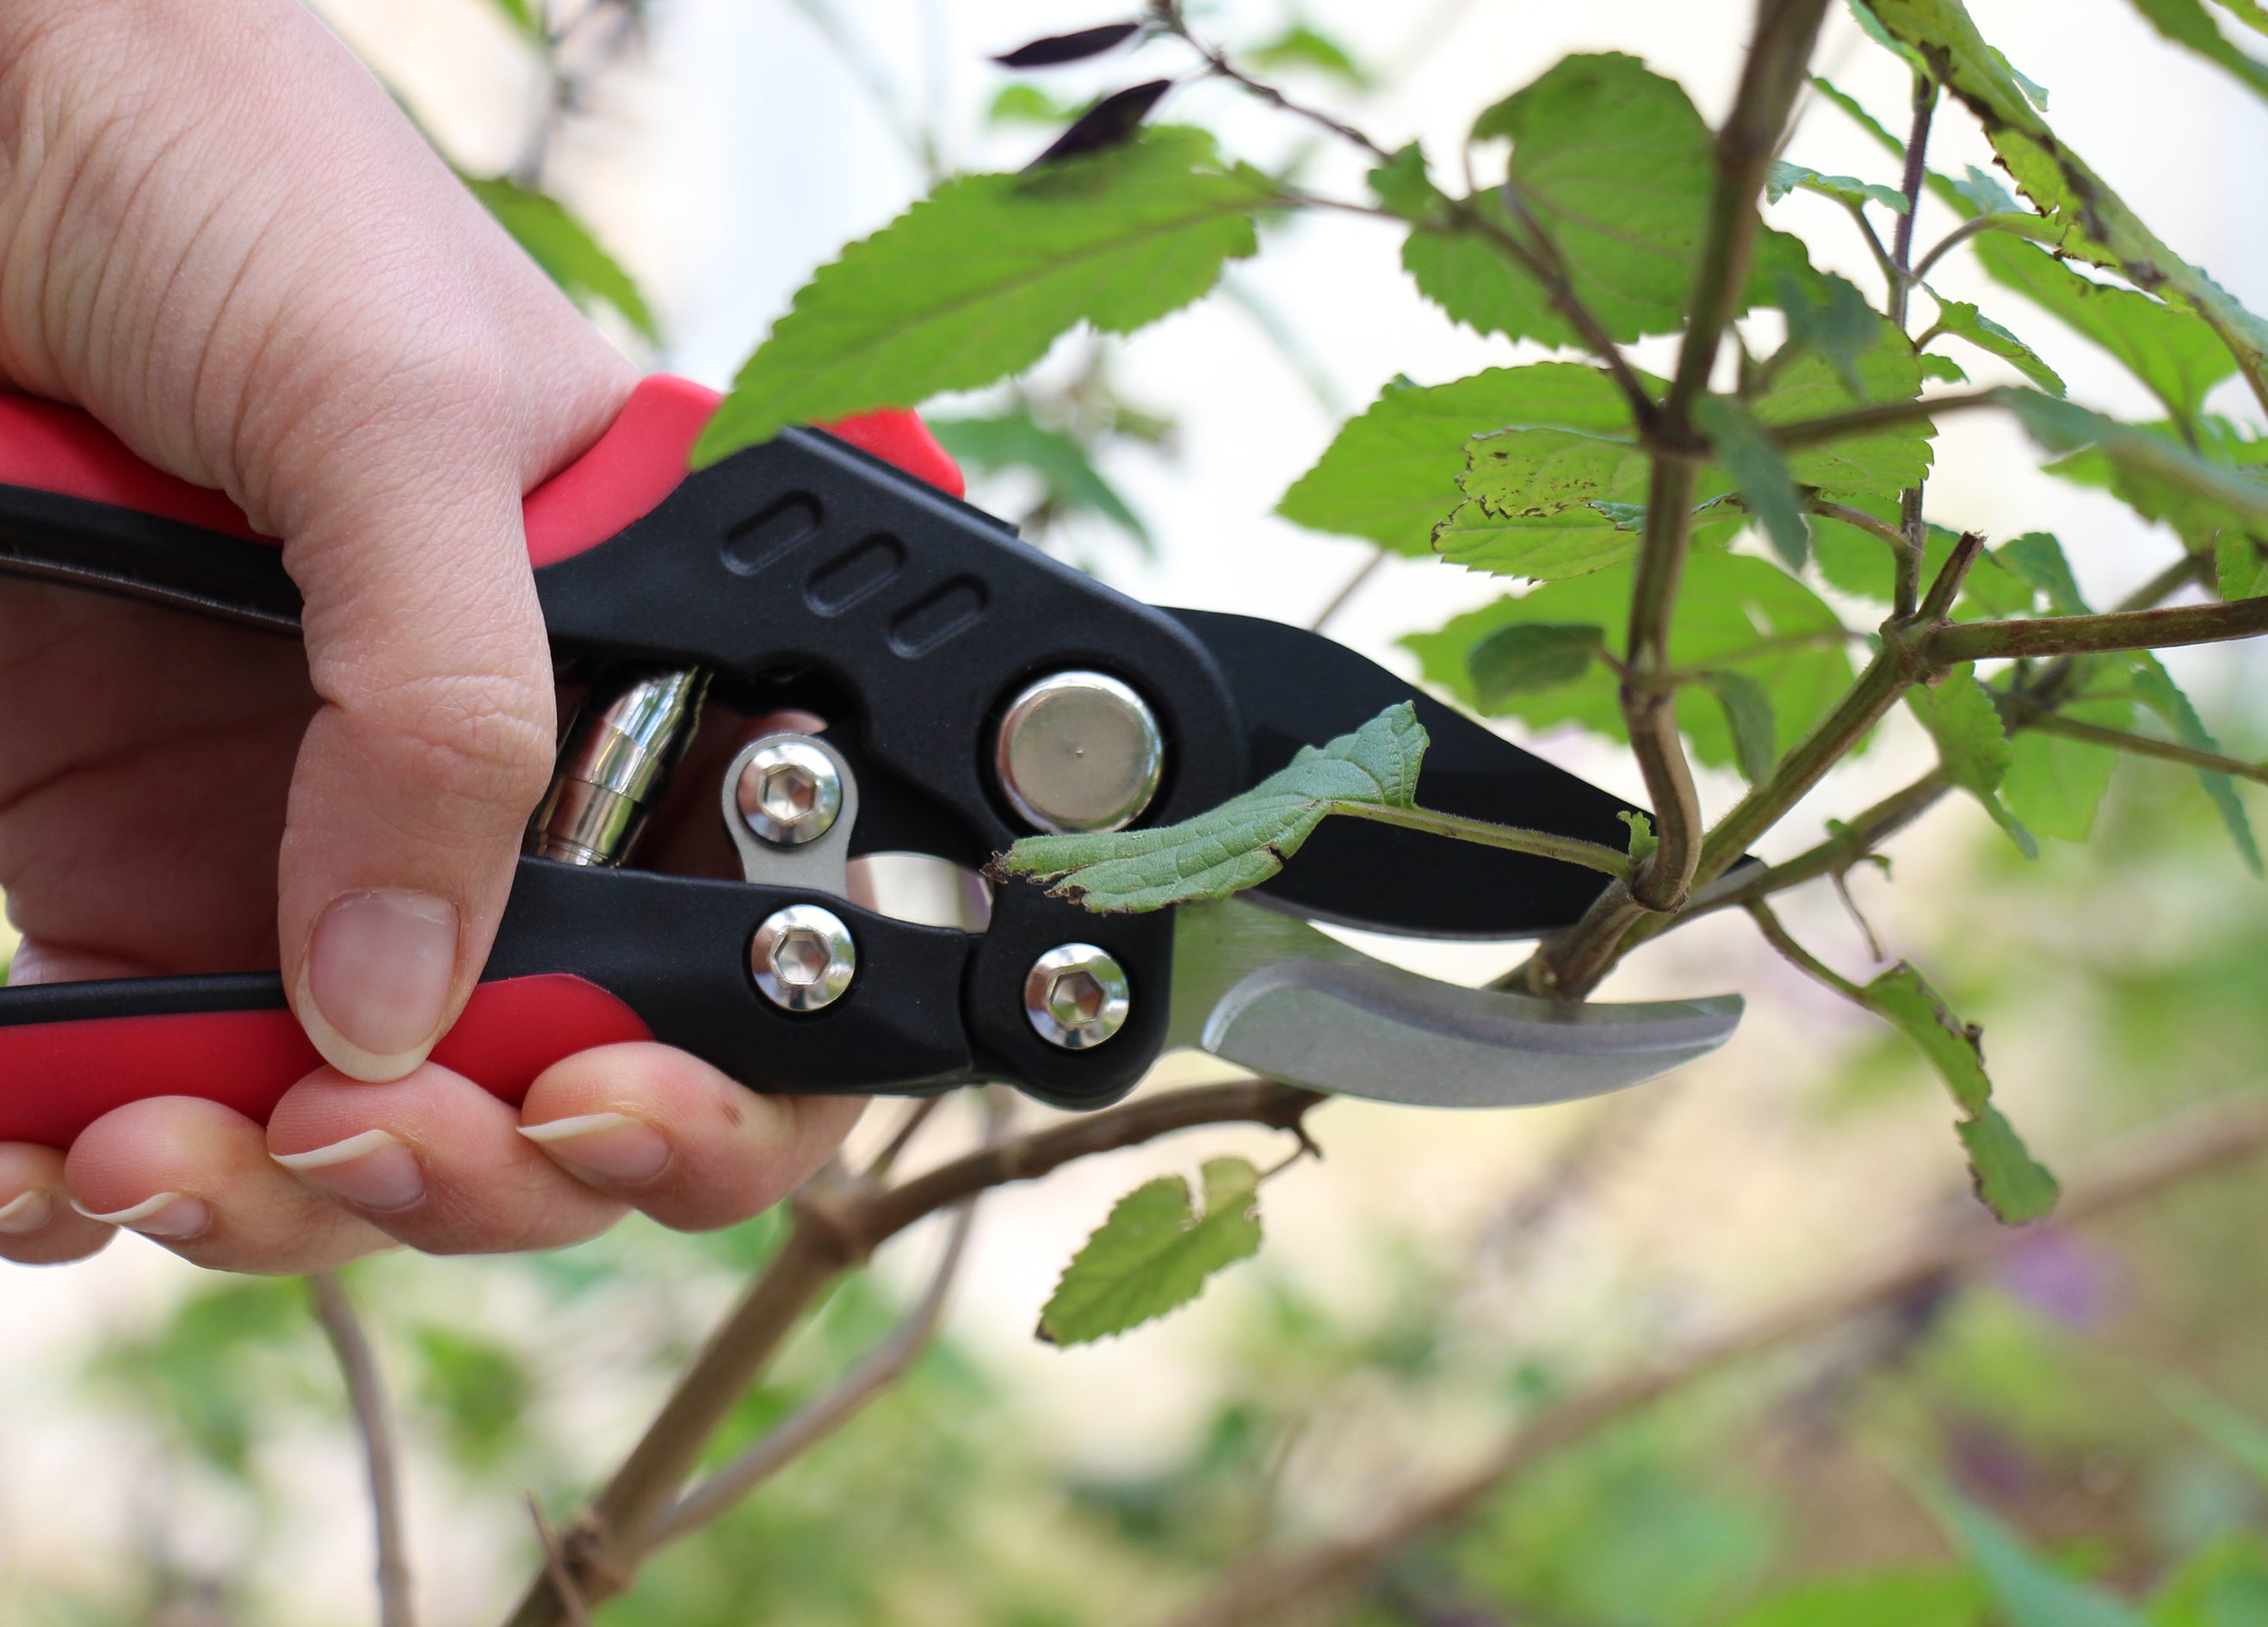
[219, 236]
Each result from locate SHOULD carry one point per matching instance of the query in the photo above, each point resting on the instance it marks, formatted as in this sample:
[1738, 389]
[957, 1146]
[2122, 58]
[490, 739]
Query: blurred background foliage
[2074, 1437]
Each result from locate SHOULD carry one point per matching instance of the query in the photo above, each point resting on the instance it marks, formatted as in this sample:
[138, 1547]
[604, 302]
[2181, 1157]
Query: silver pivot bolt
[789, 791]
[1078, 751]
[803, 957]
[1076, 996]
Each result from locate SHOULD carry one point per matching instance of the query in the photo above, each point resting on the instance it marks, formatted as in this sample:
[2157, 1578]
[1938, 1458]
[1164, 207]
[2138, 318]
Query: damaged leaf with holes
[1244, 841]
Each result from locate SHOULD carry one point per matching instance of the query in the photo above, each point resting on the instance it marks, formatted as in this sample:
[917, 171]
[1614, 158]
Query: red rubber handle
[46, 446]
[58, 1078]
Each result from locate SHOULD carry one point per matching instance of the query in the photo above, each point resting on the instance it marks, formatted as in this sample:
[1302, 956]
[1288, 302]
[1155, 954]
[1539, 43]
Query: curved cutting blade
[1297, 688]
[1274, 994]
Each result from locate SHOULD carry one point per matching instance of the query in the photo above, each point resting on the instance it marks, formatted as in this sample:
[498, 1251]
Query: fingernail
[168, 1214]
[24, 1214]
[613, 1146]
[378, 975]
[371, 1171]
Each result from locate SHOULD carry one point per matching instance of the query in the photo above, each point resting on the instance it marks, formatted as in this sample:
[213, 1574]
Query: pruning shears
[973, 691]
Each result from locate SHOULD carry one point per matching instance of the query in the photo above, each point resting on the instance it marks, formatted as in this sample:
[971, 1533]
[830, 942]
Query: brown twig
[881, 1368]
[1169, 17]
[1925, 104]
[1353, 585]
[555, 1565]
[2174, 1152]
[838, 1223]
[381, 1452]
[901, 1139]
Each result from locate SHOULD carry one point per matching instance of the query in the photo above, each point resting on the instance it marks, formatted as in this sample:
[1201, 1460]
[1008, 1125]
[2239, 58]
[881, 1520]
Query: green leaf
[2035, 93]
[2251, 13]
[2095, 222]
[1239, 845]
[1734, 612]
[2172, 351]
[1872, 27]
[2240, 565]
[1964, 321]
[1986, 194]
[2187, 22]
[1643, 842]
[1155, 1252]
[1404, 189]
[1759, 472]
[1530, 655]
[1971, 744]
[2153, 462]
[1070, 482]
[976, 281]
[1886, 1599]
[2055, 784]
[2029, 1591]
[1784, 178]
[1944, 369]
[1530, 502]
[1749, 715]
[2037, 558]
[2013, 1184]
[1879, 465]
[1023, 102]
[2224, 1584]
[1301, 47]
[1840, 330]
[1857, 113]
[2156, 689]
[2202, 524]
[479, 1390]
[2008, 1180]
[1391, 474]
[1613, 166]
[564, 248]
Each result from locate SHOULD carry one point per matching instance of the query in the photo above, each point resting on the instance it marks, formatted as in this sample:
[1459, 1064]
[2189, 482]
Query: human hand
[223, 240]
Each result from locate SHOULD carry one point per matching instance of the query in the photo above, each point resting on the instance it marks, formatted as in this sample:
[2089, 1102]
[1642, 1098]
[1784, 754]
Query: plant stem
[1649, 691]
[382, 1453]
[2023, 225]
[837, 1223]
[1866, 420]
[1169, 17]
[1925, 104]
[1796, 955]
[798, 1433]
[2141, 745]
[1779, 53]
[1484, 833]
[2083, 635]
[2181, 1149]
[1353, 585]
[1850, 845]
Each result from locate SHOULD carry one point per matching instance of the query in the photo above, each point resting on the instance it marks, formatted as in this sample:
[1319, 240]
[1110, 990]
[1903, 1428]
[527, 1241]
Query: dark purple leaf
[1070, 48]
[1108, 123]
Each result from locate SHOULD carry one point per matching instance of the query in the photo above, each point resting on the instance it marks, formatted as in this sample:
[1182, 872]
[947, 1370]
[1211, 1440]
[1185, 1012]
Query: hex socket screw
[789, 792]
[803, 957]
[1076, 997]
